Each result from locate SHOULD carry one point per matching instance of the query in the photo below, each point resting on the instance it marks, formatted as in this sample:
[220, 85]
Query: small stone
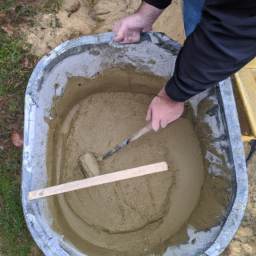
[253, 212]
[89, 165]
[247, 248]
[244, 234]
[235, 248]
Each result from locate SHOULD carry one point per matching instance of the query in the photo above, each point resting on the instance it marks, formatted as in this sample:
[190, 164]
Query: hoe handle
[141, 132]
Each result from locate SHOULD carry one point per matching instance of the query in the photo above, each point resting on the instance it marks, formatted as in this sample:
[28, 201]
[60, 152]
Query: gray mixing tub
[156, 53]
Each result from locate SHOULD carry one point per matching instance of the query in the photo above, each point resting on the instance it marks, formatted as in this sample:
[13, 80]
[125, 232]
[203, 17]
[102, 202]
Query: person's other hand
[163, 110]
[128, 29]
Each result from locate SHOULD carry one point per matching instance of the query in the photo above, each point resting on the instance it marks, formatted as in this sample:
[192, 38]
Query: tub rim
[235, 216]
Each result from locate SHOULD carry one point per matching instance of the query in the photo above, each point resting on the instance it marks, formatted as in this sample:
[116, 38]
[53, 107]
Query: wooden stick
[99, 180]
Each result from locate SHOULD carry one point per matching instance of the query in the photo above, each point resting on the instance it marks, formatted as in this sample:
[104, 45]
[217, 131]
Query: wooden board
[99, 180]
[246, 83]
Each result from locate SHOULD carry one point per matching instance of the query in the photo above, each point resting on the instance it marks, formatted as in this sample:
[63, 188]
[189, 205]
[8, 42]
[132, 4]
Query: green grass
[52, 5]
[15, 240]
[11, 77]
[14, 234]
[6, 5]
[93, 2]
[16, 65]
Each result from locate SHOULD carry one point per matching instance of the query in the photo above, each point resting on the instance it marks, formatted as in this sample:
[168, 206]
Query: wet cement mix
[140, 216]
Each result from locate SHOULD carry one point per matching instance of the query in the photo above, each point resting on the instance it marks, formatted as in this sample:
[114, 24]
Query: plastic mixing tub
[89, 57]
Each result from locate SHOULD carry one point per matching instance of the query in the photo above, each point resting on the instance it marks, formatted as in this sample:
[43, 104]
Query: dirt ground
[50, 30]
[98, 16]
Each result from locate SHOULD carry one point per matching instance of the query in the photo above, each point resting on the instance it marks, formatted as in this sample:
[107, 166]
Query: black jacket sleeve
[160, 4]
[221, 44]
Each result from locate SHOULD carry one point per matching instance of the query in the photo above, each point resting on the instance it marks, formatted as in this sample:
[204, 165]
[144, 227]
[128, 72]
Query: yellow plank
[247, 138]
[99, 180]
[251, 64]
[246, 83]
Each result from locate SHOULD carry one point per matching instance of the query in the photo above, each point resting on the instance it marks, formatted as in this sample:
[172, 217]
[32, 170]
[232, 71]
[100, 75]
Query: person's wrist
[149, 13]
[162, 94]
[141, 19]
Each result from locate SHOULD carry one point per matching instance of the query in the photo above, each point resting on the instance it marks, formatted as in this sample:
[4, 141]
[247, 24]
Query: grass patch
[93, 2]
[16, 66]
[6, 5]
[15, 237]
[52, 5]
[11, 76]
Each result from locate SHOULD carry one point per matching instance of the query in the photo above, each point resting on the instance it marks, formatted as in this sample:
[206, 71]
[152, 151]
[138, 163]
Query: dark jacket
[221, 44]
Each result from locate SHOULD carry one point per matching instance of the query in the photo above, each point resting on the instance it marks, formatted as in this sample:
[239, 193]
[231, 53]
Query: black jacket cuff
[174, 92]
[162, 4]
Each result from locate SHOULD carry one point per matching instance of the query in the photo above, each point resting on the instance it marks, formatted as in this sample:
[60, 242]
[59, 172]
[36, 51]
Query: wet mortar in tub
[140, 216]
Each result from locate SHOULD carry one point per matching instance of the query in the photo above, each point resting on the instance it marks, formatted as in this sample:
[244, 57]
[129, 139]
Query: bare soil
[52, 29]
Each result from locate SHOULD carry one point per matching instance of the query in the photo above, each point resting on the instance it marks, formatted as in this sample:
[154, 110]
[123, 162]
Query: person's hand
[128, 29]
[163, 110]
